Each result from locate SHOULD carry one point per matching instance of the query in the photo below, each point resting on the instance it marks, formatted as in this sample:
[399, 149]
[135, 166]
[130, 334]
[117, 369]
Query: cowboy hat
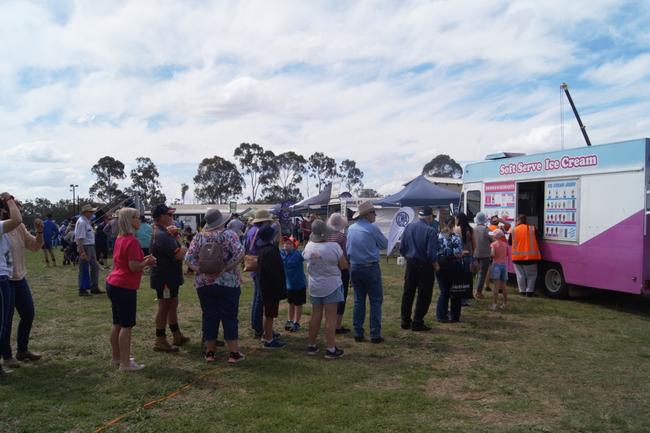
[88, 208]
[215, 219]
[262, 216]
[364, 208]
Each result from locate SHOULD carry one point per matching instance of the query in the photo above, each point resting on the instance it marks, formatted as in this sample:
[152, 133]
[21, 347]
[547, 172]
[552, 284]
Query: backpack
[211, 260]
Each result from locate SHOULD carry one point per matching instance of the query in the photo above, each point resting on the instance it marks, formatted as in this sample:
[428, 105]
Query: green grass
[542, 366]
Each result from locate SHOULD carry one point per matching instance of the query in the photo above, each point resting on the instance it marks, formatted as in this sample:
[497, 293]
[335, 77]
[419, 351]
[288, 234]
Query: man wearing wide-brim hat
[262, 219]
[364, 242]
[84, 235]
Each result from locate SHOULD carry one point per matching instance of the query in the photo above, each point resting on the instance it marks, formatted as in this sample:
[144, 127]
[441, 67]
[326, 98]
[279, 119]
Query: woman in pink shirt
[499, 253]
[122, 285]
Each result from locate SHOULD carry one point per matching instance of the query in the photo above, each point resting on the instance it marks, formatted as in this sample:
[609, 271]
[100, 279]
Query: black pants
[419, 276]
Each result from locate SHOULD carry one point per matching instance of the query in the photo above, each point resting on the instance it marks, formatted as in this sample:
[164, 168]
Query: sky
[389, 84]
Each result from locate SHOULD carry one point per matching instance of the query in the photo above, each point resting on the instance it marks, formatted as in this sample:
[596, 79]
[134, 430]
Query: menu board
[500, 200]
[561, 210]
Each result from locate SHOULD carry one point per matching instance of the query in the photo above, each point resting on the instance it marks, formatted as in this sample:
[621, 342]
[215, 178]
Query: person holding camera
[8, 205]
[20, 240]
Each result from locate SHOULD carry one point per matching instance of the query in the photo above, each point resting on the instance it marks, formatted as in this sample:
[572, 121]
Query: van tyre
[553, 281]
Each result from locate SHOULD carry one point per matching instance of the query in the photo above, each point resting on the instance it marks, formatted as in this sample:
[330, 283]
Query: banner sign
[403, 217]
[500, 200]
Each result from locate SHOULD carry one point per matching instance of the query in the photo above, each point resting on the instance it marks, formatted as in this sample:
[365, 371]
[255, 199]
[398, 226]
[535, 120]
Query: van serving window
[473, 203]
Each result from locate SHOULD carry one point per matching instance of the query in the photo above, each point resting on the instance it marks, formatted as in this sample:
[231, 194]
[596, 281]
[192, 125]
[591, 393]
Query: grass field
[541, 366]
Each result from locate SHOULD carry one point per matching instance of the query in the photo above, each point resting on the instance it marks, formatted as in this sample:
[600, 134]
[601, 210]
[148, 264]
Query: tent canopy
[322, 199]
[420, 192]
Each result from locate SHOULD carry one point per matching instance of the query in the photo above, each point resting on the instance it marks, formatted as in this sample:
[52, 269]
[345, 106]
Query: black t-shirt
[168, 271]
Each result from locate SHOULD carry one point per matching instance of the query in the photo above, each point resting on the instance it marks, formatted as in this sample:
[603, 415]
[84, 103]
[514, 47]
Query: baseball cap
[425, 211]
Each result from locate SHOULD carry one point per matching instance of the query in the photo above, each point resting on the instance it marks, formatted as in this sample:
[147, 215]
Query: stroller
[70, 253]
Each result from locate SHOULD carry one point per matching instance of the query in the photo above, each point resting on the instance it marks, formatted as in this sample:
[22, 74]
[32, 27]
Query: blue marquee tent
[420, 192]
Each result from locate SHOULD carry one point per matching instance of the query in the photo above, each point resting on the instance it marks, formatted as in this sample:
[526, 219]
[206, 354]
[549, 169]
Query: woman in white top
[8, 205]
[325, 260]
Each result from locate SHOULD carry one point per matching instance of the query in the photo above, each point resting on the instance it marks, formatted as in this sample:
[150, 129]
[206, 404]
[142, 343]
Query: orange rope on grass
[172, 394]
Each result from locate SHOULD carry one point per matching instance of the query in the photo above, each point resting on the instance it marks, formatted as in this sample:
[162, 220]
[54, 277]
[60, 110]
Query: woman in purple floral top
[218, 294]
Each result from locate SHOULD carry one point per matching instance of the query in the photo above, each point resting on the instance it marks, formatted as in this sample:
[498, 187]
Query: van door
[530, 202]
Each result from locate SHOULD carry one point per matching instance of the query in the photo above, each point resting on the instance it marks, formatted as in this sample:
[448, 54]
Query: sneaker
[11, 363]
[84, 293]
[276, 343]
[288, 326]
[296, 327]
[359, 338]
[337, 353]
[97, 292]
[377, 340]
[276, 335]
[235, 357]
[209, 356]
[28, 356]
[118, 361]
[405, 325]
[420, 327]
[343, 330]
[312, 350]
[503, 306]
[493, 307]
[134, 366]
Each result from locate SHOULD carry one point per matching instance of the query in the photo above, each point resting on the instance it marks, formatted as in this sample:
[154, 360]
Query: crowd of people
[334, 255]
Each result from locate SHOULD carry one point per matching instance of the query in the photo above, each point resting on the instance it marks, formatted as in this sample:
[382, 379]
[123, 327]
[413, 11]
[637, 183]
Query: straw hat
[88, 208]
[364, 208]
[262, 216]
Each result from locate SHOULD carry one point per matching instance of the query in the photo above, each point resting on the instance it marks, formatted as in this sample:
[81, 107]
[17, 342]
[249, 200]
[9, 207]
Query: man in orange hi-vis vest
[525, 255]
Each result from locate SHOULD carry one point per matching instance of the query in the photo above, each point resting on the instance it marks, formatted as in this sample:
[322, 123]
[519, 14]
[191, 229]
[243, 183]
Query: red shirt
[127, 248]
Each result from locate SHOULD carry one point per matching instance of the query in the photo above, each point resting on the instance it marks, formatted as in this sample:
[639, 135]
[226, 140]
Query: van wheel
[554, 283]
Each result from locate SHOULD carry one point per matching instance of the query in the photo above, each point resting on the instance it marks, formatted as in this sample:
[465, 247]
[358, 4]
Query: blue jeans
[257, 307]
[366, 280]
[219, 304]
[8, 293]
[442, 308]
[24, 304]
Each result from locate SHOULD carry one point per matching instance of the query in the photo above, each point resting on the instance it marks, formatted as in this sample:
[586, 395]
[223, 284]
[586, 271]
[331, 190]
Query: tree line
[272, 179]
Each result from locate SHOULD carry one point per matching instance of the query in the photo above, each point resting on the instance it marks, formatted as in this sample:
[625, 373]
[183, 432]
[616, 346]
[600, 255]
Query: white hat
[364, 208]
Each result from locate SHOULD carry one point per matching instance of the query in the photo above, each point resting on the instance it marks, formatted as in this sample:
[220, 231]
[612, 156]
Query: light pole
[73, 188]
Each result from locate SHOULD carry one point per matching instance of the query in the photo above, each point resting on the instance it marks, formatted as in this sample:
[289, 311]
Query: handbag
[460, 279]
[250, 260]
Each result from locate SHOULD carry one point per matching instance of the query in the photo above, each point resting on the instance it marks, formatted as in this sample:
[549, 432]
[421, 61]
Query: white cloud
[387, 84]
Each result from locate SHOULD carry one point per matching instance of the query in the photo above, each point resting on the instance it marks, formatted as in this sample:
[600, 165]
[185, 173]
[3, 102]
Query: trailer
[590, 206]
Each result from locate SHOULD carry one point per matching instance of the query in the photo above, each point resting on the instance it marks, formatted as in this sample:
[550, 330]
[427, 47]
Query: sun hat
[319, 231]
[480, 218]
[87, 208]
[215, 219]
[162, 209]
[262, 216]
[364, 208]
[337, 222]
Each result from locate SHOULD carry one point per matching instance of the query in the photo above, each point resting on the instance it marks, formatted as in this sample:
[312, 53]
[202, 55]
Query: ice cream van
[590, 206]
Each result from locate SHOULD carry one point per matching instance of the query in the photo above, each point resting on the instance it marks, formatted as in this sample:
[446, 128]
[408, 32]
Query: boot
[180, 339]
[162, 345]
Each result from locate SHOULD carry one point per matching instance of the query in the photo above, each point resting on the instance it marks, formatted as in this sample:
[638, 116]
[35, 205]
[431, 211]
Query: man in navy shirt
[419, 246]
[50, 231]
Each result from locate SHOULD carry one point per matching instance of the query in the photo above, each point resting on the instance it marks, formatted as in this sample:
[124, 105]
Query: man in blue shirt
[50, 231]
[419, 246]
[363, 245]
